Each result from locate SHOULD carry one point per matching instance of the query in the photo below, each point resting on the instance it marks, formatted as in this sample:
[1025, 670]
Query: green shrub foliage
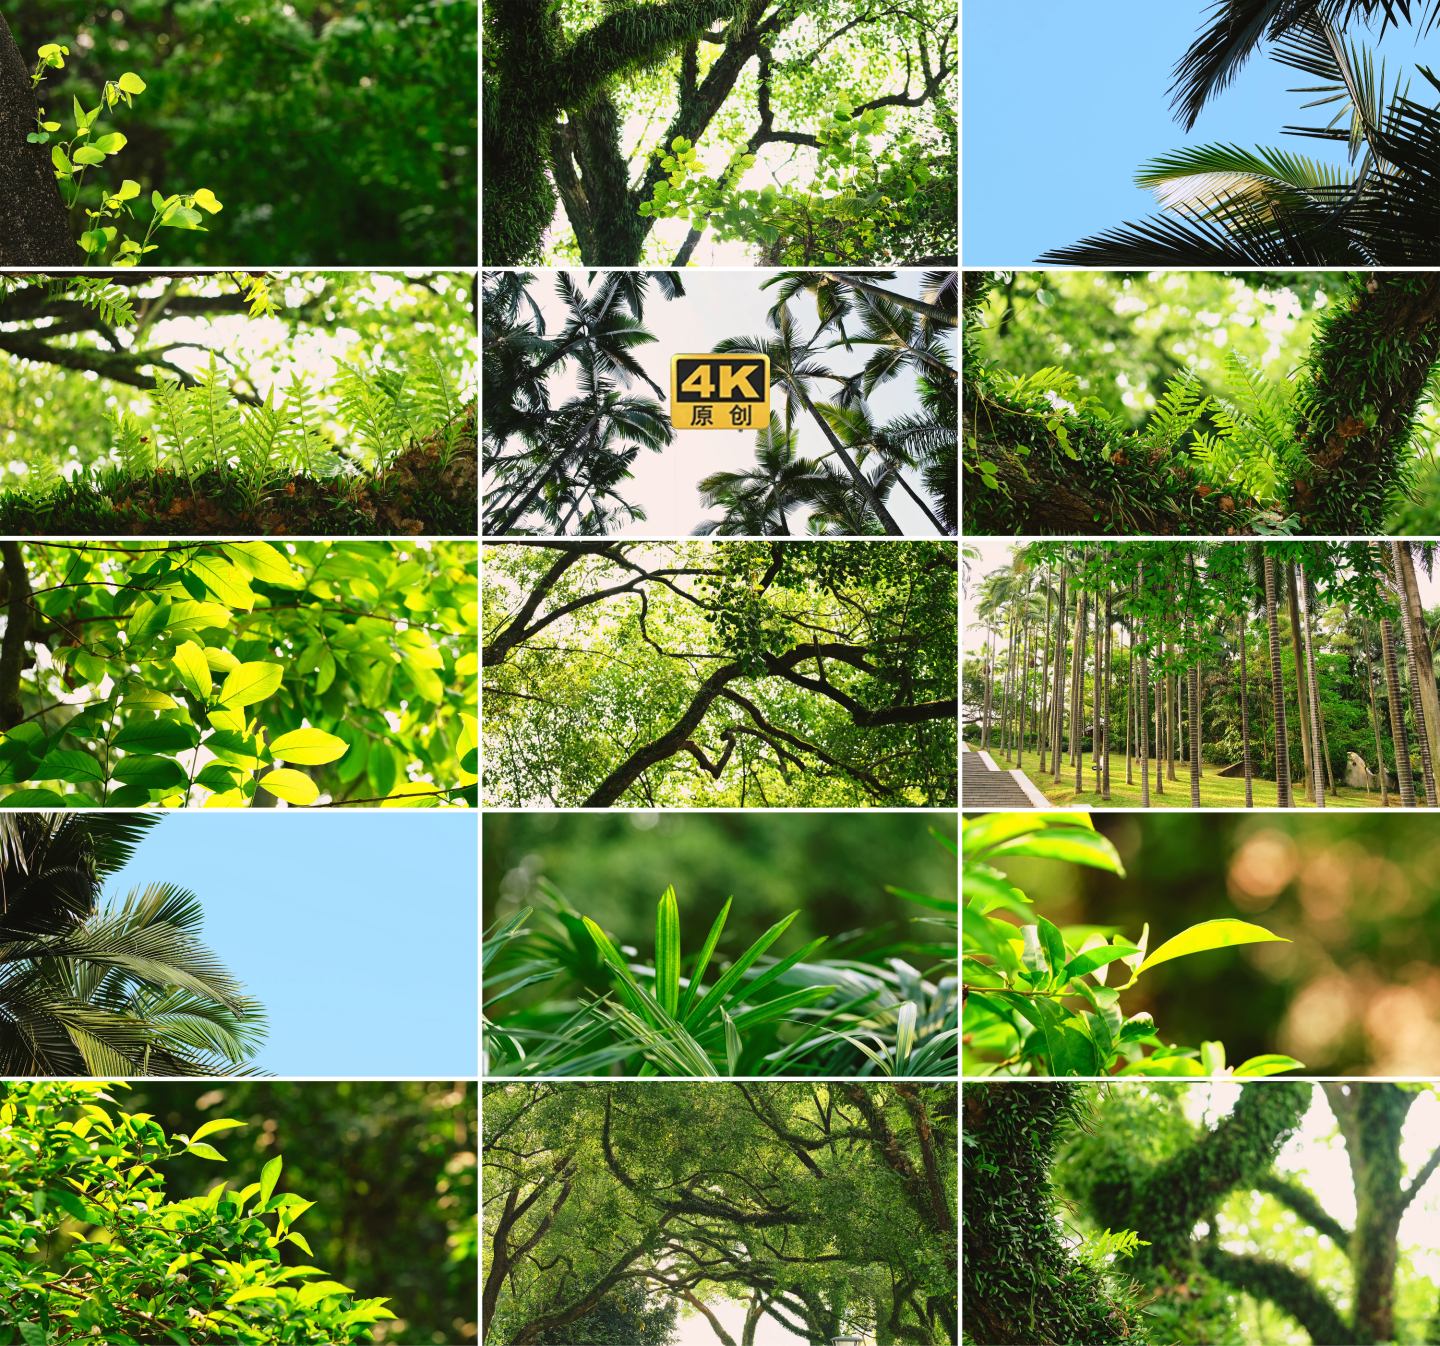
[90, 1247]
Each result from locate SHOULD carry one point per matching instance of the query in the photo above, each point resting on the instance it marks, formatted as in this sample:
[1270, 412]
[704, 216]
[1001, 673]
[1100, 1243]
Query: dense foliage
[562, 81]
[1023, 1281]
[1331, 449]
[334, 132]
[391, 1166]
[92, 1247]
[861, 1008]
[595, 699]
[174, 673]
[825, 1207]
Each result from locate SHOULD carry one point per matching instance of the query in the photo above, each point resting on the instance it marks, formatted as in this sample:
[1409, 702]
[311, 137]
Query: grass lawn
[1216, 792]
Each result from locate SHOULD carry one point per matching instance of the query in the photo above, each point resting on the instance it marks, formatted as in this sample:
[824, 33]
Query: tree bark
[1142, 710]
[17, 631]
[34, 224]
[1285, 796]
[1375, 719]
[1429, 696]
[1397, 716]
[1317, 736]
[1417, 694]
[1302, 684]
[1245, 719]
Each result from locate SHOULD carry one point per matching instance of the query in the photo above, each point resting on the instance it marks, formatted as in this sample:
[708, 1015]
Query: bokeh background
[833, 867]
[335, 132]
[1356, 991]
[390, 1165]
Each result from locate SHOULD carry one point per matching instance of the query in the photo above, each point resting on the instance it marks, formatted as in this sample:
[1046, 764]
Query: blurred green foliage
[336, 132]
[613, 867]
[1126, 334]
[391, 1167]
[1357, 991]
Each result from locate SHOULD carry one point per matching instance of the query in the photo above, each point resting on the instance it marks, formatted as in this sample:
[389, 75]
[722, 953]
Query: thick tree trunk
[1317, 735]
[1142, 714]
[34, 224]
[17, 632]
[1105, 719]
[1285, 797]
[1057, 727]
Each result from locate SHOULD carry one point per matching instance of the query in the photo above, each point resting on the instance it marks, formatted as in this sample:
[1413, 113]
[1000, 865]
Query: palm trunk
[1130, 683]
[1397, 716]
[1297, 647]
[1041, 721]
[989, 687]
[1245, 718]
[1417, 698]
[1057, 727]
[1142, 715]
[1429, 695]
[1285, 797]
[1077, 718]
[862, 482]
[1374, 719]
[1105, 721]
[1317, 737]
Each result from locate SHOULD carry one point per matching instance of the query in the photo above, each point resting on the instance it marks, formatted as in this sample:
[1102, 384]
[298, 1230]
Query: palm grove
[1109, 1214]
[554, 469]
[820, 1207]
[760, 674]
[564, 95]
[1173, 658]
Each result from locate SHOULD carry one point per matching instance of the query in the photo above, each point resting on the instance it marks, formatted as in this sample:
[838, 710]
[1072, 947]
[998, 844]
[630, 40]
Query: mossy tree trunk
[34, 224]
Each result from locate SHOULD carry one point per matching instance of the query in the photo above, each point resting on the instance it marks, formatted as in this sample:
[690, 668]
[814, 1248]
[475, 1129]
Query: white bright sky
[718, 305]
[696, 1330]
[999, 551]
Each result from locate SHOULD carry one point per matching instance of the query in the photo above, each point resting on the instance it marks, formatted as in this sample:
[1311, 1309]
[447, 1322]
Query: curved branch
[1287, 1289]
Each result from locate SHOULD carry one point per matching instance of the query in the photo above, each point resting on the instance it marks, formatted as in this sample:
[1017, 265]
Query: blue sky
[357, 930]
[1064, 101]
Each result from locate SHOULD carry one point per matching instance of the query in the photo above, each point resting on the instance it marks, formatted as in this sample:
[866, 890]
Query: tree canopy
[825, 1207]
[173, 673]
[632, 112]
[767, 674]
[331, 132]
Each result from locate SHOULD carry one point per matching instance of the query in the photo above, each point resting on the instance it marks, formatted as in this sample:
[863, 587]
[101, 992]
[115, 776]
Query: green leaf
[632, 993]
[1270, 1064]
[57, 157]
[309, 747]
[250, 683]
[1053, 943]
[148, 619]
[35, 799]
[269, 1176]
[1207, 935]
[667, 953]
[157, 736]
[131, 82]
[219, 1124]
[737, 969]
[203, 1151]
[111, 144]
[294, 787]
[263, 562]
[154, 773]
[1097, 957]
[69, 766]
[88, 154]
[978, 932]
[1079, 847]
[733, 1046]
[224, 581]
[703, 961]
[219, 777]
[1212, 1058]
[194, 670]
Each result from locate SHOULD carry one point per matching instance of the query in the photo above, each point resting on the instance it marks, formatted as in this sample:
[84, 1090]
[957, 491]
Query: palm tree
[757, 501]
[894, 442]
[793, 367]
[1233, 207]
[559, 444]
[1417, 705]
[1317, 734]
[123, 990]
[1285, 796]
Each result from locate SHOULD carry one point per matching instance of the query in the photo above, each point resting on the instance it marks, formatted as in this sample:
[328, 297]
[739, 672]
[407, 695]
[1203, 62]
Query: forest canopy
[825, 1207]
[332, 132]
[731, 674]
[1219, 428]
[805, 133]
